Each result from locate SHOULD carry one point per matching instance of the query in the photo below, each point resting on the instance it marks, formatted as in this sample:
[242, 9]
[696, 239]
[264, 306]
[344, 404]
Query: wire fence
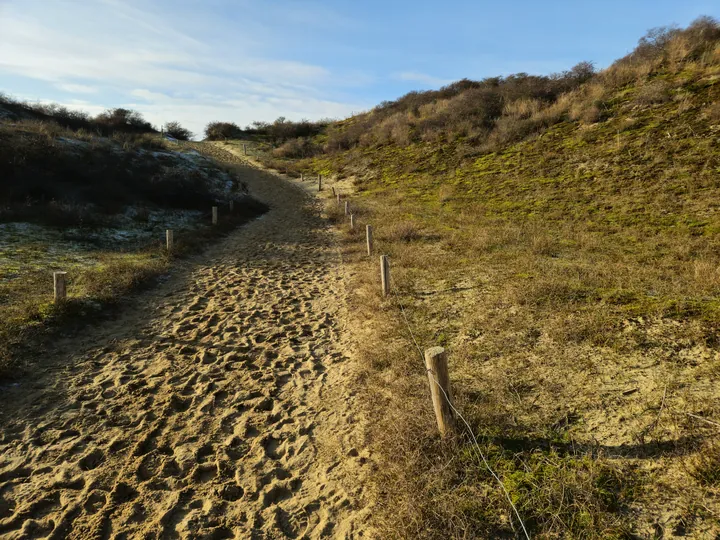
[482, 459]
[477, 450]
[476, 445]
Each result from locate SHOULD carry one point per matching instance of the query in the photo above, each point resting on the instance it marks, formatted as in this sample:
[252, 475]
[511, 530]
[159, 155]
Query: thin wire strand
[407, 322]
[476, 444]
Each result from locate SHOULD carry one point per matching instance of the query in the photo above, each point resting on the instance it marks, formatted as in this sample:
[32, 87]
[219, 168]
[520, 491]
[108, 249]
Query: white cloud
[76, 88]
[147, 94]
[422, 78]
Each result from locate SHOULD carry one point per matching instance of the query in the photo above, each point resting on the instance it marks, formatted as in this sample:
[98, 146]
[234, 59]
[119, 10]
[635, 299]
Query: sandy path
[216, 407]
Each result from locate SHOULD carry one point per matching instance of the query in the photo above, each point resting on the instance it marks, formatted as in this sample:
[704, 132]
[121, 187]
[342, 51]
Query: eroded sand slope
[218, 406]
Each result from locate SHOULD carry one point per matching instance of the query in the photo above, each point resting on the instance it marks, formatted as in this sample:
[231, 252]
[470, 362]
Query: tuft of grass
[135, 141]
[655, 92]
[712, 113]
[406, 231]
[571, 495]
[705, 466]
[333, 213]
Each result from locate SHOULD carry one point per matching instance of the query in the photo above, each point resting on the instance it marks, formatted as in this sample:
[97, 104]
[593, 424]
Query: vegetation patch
[98, 209]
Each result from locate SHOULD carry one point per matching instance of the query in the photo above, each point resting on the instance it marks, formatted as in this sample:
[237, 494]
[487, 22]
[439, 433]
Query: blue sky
[201, 60]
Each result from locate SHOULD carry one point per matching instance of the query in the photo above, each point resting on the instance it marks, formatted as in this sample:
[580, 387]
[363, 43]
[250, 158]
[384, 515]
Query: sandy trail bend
[218, 406]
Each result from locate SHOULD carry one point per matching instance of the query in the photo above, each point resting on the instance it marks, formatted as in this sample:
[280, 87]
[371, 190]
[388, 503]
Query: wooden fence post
[169, 239]
[352, 221]
[368, 235]
[338, 199]
[244, 149]
[333, 190]
[59, 286]
[437, 370]
[385, 274]
[347, 208]
[214, 215]
[319, 182]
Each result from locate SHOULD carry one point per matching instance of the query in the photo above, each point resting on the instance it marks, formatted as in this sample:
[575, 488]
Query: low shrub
[220, 131]
[121, 119]
[283, 129]
[705, 465]
[175, 130]
[657, 91]
[297, 149]
[405, 231]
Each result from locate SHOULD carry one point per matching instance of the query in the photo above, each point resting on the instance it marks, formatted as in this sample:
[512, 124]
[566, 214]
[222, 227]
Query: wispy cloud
[34, 49]
[147, 95]
[125, 53]
[76, 88]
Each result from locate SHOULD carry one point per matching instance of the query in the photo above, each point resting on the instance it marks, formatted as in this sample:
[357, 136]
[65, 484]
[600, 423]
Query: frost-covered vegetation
[98, 208]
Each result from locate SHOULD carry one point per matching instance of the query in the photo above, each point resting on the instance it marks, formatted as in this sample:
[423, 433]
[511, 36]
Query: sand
[217, 405]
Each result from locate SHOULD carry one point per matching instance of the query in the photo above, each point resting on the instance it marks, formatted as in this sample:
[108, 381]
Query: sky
[196, 61]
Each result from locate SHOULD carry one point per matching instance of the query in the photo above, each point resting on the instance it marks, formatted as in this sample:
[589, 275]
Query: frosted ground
[28, 247]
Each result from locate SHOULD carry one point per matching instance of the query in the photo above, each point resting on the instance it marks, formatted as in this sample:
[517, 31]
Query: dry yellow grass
[577, 390]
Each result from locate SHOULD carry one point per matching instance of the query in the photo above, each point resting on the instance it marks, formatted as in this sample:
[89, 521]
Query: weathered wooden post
[385, 274]
[333, 190]
[319, 182]
[347, 208]
[338, 199]
[244, 149]
[368, 235]
[169, 239]
[59, 286]
[352, 222]
[214, 215]
[437, 370]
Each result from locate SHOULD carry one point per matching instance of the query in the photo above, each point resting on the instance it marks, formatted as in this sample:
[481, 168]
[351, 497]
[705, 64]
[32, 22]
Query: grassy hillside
[560, 237]
[98, 209]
